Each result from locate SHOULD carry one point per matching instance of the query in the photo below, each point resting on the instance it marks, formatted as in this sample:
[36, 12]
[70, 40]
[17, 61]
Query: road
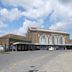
[27, 61]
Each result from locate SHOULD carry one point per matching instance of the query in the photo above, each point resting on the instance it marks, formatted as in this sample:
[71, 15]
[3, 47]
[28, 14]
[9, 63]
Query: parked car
[1, 48]
[51, 48]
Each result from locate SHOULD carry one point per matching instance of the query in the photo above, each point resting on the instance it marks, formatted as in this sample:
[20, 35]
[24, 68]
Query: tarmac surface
[36, 61]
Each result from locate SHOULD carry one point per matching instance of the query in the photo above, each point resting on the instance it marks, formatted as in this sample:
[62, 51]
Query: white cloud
[23, 29]
[65, 14]
[66, 2]
[58, 26]
[15, 3]
[11, 15]
[38, 9]
[34, 8]
[8, 15]
[62, 25]
[63, 10]
[2, 25]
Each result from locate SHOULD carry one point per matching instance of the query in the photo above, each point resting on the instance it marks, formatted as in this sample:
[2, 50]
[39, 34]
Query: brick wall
[34, 36]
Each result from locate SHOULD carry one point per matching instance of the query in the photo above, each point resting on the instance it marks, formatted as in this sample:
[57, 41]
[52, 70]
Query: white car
[51, 48]
[1, 48]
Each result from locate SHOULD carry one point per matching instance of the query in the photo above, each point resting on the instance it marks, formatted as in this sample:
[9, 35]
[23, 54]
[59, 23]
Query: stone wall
[35, 35]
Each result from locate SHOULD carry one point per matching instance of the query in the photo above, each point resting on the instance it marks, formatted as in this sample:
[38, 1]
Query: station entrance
[30, 46]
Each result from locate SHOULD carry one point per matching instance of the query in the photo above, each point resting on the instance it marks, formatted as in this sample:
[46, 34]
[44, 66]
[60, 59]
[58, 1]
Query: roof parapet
[47, 30]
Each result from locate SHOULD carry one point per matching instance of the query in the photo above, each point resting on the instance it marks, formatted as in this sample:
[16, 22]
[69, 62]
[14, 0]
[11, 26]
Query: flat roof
[42, 44]
[53, 44]
[48, 30]
[21, 43]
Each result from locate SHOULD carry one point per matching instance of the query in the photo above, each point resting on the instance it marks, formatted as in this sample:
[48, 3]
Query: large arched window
[43, 39]
[61, 40]
[54, 39]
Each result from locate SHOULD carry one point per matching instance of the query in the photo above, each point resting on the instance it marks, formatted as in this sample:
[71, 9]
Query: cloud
[26, 4]
[64, 14]
[11, 15]
[8, 16]
[67, 2]
[23, 29]
[2, 25]
[34, 14]
[58, 26]
[36, 10]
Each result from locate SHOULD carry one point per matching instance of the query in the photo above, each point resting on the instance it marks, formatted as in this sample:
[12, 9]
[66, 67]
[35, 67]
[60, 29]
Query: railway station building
[38, 39]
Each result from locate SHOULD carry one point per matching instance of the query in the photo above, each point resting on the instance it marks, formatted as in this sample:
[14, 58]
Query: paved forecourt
[39, 61]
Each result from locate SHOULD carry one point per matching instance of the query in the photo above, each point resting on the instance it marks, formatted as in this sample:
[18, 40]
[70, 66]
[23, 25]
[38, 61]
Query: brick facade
[34, 35]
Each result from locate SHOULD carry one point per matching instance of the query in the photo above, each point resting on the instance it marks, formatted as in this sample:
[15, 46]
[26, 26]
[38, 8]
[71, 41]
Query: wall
[35, 35]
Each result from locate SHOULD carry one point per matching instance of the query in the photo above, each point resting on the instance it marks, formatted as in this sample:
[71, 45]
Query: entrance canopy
[53, 44]
[22, 43]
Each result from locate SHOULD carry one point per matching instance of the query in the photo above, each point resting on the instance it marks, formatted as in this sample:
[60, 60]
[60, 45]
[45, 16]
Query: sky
[17, 15]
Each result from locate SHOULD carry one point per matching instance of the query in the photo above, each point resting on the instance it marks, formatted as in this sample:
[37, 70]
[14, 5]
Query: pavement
[36, 61]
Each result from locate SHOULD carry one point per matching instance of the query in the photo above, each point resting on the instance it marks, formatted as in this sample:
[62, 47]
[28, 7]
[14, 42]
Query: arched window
[43, 39]
[53, 40]
[61, 40]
